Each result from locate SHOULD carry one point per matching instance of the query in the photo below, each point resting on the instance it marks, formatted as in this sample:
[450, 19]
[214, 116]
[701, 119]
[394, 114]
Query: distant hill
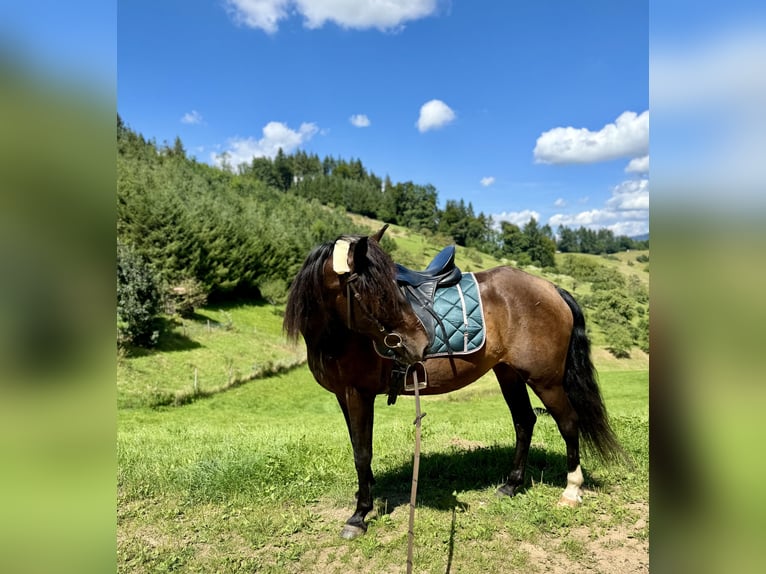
[642, 237]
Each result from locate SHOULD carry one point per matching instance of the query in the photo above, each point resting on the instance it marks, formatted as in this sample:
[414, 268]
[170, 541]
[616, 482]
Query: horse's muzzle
[403, 348]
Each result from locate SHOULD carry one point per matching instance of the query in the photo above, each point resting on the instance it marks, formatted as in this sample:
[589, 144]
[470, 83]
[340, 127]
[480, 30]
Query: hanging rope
[416, 461]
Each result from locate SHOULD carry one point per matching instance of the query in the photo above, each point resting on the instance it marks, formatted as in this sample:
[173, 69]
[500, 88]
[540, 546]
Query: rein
[416, 458]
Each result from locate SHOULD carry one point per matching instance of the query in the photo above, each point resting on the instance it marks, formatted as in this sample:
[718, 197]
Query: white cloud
[487, 181]
[362, 14]
[192, 117]
[356, 14]
[630, 195]
[275, 135]
[519, 218]
[638, 165]
[433, 115]
[359, 120]
[628, 136]
[263, 14]
[626, 212]
[630, 228]
[560, 202]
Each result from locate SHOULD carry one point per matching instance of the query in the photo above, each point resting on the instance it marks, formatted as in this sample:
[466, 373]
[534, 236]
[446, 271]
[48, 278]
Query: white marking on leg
[574, 482]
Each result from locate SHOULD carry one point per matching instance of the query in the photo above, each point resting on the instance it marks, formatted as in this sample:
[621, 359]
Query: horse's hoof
[350, 532]
[506, 490]
[569, 502]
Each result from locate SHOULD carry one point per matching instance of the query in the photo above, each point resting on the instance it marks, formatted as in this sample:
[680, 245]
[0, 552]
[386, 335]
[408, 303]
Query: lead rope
[416, 461]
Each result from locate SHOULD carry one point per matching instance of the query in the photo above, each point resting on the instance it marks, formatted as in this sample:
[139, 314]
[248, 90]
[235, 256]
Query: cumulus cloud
[560, 202]
[355, 14]
[276, 135]
[362, 14]
[263, 14]
[487, 181]
[192, 117]
[359, 120]
[638, 165]
[433, 115]
[519, 218]
[628, 136]
[630, 195]
[626, 212]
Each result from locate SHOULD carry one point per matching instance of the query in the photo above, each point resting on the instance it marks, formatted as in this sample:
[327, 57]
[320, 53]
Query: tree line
[348, 183]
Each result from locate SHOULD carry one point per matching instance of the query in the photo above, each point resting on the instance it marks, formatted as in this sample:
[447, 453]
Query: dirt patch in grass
[622, 549]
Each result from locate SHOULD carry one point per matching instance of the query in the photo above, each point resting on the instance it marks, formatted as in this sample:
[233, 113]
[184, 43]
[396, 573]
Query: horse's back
[527, 320]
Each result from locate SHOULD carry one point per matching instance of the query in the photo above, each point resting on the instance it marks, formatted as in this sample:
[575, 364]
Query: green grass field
[258, 476]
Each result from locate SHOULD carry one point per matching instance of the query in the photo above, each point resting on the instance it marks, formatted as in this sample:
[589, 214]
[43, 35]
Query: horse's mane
[306, 304]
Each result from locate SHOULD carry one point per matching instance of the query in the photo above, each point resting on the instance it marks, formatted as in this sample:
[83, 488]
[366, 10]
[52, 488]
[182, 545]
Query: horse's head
[350, 284]
[362, 278]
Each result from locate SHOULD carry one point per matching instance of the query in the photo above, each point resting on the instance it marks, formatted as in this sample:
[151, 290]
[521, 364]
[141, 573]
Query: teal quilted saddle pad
[462, 316]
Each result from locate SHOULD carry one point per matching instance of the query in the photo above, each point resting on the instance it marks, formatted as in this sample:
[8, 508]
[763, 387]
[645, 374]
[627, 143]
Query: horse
[345, 300]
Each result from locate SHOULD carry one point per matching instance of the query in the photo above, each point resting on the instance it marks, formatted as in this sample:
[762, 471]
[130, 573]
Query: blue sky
[521, 108]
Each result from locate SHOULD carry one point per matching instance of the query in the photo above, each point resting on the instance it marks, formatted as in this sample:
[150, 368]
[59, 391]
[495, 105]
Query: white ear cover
[340, 257]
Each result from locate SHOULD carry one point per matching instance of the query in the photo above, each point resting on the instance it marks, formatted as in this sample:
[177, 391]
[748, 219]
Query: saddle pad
[460, 310]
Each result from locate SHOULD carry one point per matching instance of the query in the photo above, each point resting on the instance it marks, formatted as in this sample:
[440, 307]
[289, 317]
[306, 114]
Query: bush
[138, 299]
[619, 339]
[274, 291]
[184, 297]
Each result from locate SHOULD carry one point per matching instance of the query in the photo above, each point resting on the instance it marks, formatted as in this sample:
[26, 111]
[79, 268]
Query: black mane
[307, 305]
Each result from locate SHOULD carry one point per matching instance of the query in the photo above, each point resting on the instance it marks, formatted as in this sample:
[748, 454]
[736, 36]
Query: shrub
[184, 297]
[274, 291]
[619, 339]
[138, 299]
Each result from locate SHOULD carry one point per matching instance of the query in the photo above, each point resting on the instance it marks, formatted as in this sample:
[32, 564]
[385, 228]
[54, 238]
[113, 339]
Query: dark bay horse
[345, 297]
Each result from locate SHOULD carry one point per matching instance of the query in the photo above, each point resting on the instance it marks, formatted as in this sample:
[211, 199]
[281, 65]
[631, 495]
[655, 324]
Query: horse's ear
[360, 255]
[379, 235]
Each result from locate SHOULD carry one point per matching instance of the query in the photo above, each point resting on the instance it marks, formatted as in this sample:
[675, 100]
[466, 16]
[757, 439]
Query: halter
[391, 340]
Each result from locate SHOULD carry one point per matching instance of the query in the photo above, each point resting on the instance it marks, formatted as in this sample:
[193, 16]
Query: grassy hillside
[226, 345]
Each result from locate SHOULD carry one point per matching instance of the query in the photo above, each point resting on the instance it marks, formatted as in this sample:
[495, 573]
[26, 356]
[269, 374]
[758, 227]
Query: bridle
[391, 339]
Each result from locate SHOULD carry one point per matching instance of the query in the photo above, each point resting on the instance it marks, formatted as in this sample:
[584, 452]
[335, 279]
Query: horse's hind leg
[516, 396]
[557, 403]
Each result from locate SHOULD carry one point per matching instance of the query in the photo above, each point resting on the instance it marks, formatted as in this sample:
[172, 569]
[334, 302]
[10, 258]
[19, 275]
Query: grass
[261, 478]
[219, 347]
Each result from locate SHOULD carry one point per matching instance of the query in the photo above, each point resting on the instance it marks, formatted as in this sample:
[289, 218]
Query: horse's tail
[581, 387]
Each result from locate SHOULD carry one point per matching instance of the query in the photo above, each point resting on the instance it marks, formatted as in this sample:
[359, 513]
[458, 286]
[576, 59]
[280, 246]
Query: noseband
[391, 339]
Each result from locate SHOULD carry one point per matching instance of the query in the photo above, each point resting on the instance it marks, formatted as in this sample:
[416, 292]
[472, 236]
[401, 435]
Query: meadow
[232, 459]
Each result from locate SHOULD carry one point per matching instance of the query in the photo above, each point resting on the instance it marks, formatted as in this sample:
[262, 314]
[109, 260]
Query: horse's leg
[516, 396]
[358, 409]
[556, 401]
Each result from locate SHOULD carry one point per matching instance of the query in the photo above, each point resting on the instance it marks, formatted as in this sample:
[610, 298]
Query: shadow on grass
[457, 470]
[169, 339]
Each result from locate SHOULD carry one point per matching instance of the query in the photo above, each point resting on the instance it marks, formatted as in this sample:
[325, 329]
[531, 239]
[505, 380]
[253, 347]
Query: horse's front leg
[358, 409]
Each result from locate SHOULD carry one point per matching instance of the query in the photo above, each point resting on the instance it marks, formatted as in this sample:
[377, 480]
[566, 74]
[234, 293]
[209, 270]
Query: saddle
[420, 286]
[448, 304]
[441, 272]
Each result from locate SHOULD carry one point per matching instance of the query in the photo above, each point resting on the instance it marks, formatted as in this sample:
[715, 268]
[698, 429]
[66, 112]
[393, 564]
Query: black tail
[582, 389]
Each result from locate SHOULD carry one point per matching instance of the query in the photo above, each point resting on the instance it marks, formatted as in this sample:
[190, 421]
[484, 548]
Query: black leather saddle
[441, 272]
[420, 286]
